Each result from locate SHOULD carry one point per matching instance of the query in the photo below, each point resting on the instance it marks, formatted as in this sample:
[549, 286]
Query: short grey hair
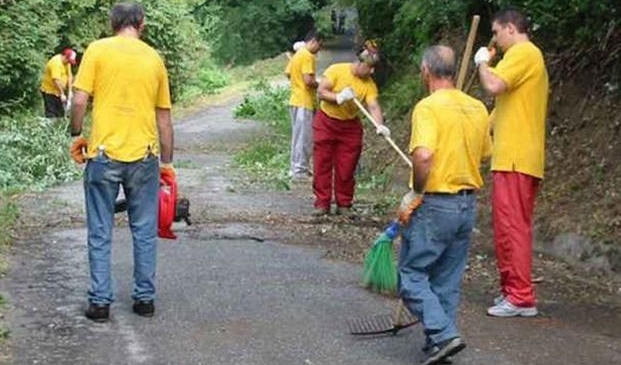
[126, 14]
[440, 60]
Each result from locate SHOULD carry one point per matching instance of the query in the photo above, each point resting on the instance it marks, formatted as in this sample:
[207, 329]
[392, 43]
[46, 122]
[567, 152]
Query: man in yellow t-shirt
[337, 131]
[450, 137]
[301, 70]
[520, 84]
[56, 83]
[131, 125]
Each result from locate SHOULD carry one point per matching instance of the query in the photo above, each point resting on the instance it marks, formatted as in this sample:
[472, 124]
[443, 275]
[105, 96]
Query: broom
[380, 273]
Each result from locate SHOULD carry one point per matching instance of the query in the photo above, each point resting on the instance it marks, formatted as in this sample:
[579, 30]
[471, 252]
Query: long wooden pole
[465, 61]
[388, 139]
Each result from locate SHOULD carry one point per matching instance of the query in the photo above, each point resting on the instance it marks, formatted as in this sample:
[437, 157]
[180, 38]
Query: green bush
[269, 105]
[34, 153]
[171, 29]
[27, 33]
[209, 79]
[33, 30]
[267, 160]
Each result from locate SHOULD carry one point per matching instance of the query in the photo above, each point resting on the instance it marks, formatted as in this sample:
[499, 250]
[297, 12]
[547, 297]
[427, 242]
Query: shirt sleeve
[424, 129]
[163, 95]
[331, 74]
[308, 65]
[487, 142]
[85, 78]
[57, 69]
[513, 68]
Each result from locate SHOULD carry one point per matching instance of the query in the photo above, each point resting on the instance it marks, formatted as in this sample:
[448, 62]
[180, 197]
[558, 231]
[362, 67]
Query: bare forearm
[310, 81]
[59, 86]
[326, 94]
[422, 160]
[166, 134]
[490, 82]
[421, 173]
[376, 111]
[78, 111]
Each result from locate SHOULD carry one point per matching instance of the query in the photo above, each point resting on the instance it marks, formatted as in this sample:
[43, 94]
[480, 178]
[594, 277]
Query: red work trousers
[513, 203]
[337, 145]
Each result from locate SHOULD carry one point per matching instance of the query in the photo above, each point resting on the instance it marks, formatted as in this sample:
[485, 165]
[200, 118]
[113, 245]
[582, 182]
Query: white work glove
[345, 95]
[68, 101]
[63, 98]
[383, 131]
[482, 56]
[298, 45]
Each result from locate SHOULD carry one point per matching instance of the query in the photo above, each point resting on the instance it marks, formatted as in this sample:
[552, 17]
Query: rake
[384, 323]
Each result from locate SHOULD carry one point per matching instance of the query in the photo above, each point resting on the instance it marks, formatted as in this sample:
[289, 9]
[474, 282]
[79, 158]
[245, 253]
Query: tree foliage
[26, 28]
[403, 26]
[243, 31]
[33, 30]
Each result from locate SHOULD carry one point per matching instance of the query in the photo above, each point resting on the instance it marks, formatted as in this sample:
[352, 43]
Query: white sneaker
[499, 299]
[506, 309]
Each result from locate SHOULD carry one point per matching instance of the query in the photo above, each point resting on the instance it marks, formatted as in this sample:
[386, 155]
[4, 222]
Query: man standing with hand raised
[520, 84]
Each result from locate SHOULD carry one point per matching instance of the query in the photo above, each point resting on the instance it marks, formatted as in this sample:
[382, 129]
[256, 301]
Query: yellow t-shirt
[128, 80]
[55, 69]
[302, 63]
[520, 113]
[341, 76]
[455, 126]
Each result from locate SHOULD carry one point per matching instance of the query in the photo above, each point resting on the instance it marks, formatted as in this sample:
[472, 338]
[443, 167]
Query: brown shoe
[320, 212]
[345, 212]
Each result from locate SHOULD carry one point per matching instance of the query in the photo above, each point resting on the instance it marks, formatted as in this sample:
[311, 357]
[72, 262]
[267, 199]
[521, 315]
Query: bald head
[440, 61]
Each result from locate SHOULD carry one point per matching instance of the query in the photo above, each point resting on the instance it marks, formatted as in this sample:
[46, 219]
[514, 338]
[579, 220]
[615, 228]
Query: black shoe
[433, 350]
[439, 353]
[144, 308]
[98, 312]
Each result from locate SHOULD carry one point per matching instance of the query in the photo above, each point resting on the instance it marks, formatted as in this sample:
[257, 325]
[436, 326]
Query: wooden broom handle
[388, 139]
[465, 61]
[474, 73]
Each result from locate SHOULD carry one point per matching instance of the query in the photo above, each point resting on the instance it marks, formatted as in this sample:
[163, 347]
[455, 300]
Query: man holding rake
[337, 130]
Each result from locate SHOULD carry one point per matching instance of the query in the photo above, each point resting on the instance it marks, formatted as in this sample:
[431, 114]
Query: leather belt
[460, 192]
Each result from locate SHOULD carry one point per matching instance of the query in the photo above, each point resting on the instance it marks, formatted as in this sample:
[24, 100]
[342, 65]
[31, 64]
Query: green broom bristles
[380, 272]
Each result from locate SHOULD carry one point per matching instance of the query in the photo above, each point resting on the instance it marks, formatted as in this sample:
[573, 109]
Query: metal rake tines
[375, 325]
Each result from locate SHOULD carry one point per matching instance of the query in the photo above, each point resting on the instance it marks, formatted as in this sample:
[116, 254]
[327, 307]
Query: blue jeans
[433, 257]
[140, 181]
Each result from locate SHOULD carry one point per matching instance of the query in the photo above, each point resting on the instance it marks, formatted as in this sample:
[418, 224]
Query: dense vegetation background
[202, 39]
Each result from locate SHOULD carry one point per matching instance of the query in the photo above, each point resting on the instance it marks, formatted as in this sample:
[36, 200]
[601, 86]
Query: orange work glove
[409, 203]
[78, 150]
[167, 170]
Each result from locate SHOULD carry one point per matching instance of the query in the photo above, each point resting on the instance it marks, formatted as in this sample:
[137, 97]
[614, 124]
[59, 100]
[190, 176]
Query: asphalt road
[233, 292]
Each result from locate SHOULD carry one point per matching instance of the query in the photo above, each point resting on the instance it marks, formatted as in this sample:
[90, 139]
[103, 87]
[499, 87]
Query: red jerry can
[167, 206]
